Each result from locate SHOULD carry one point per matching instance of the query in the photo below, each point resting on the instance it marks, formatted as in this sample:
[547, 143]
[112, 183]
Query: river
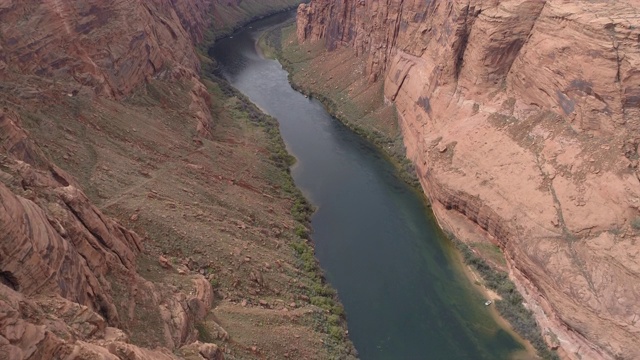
[402, 286]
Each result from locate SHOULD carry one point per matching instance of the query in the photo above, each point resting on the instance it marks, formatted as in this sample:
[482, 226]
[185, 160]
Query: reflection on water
[397, 276]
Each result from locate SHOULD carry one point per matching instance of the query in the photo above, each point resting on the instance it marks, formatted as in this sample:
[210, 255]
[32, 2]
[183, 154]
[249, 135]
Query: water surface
[397, 276]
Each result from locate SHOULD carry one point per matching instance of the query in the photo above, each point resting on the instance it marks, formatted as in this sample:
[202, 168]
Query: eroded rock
[543, 146]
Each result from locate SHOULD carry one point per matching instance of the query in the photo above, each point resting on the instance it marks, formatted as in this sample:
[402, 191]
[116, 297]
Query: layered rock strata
[68, 272]
[521, 116]
[106, 48]
[56, 253]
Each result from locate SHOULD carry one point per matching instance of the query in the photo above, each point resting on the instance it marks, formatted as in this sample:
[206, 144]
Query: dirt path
[152, 176]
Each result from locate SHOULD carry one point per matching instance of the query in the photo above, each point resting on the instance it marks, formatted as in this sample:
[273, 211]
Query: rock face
[522, 116]
[68, 277]
[56, 251]
[50, 327]
[60, 245]
[107, 48]
[105, 127]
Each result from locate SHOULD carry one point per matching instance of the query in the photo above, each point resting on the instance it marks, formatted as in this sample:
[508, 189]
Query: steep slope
[106, 49]
[227, 15]
[58, 256]
[522, 119]
[55, 242]
[142, 207]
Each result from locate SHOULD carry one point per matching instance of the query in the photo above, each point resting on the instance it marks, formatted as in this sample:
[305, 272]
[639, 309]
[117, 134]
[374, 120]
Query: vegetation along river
[403, 288]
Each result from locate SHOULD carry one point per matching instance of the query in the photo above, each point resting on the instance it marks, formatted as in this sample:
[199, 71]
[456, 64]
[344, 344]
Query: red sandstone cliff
[56, 250]
[61, 258]
[107, 48]
[56, 247]
[521, 116]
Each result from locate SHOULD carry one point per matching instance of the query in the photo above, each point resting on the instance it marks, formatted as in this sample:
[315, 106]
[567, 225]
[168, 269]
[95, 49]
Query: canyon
[521, 118]
[147, 210]
[145, 206]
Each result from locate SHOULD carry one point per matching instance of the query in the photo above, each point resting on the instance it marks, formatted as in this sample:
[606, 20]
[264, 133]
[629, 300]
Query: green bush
[301, 210]
[204, 334]
[336, 332]
[301, 231]
[334, 319]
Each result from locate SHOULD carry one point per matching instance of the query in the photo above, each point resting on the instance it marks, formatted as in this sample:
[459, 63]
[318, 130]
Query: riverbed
[398, 277]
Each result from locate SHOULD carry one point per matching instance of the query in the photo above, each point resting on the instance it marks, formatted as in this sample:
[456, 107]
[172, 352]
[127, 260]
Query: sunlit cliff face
[536, 104]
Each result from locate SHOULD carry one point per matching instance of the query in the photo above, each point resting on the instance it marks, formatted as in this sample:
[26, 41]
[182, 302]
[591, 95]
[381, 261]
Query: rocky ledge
[522, 120]
[70, 271]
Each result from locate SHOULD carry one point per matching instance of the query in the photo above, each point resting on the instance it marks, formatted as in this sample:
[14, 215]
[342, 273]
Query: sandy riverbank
[530, 352]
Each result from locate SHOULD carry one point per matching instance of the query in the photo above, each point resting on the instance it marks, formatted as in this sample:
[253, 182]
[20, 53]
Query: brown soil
[219, 205]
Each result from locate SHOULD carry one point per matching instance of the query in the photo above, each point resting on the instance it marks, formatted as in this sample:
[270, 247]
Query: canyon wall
[59, 253]
[69, 281]
[104, 48]
[60, 260]
[109, 46]
[522, 118]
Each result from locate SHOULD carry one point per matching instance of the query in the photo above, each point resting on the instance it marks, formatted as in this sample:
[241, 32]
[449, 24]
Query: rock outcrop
[51, 327]
[69, 287]
[106, 48]
[57, 251]
[522, 116]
